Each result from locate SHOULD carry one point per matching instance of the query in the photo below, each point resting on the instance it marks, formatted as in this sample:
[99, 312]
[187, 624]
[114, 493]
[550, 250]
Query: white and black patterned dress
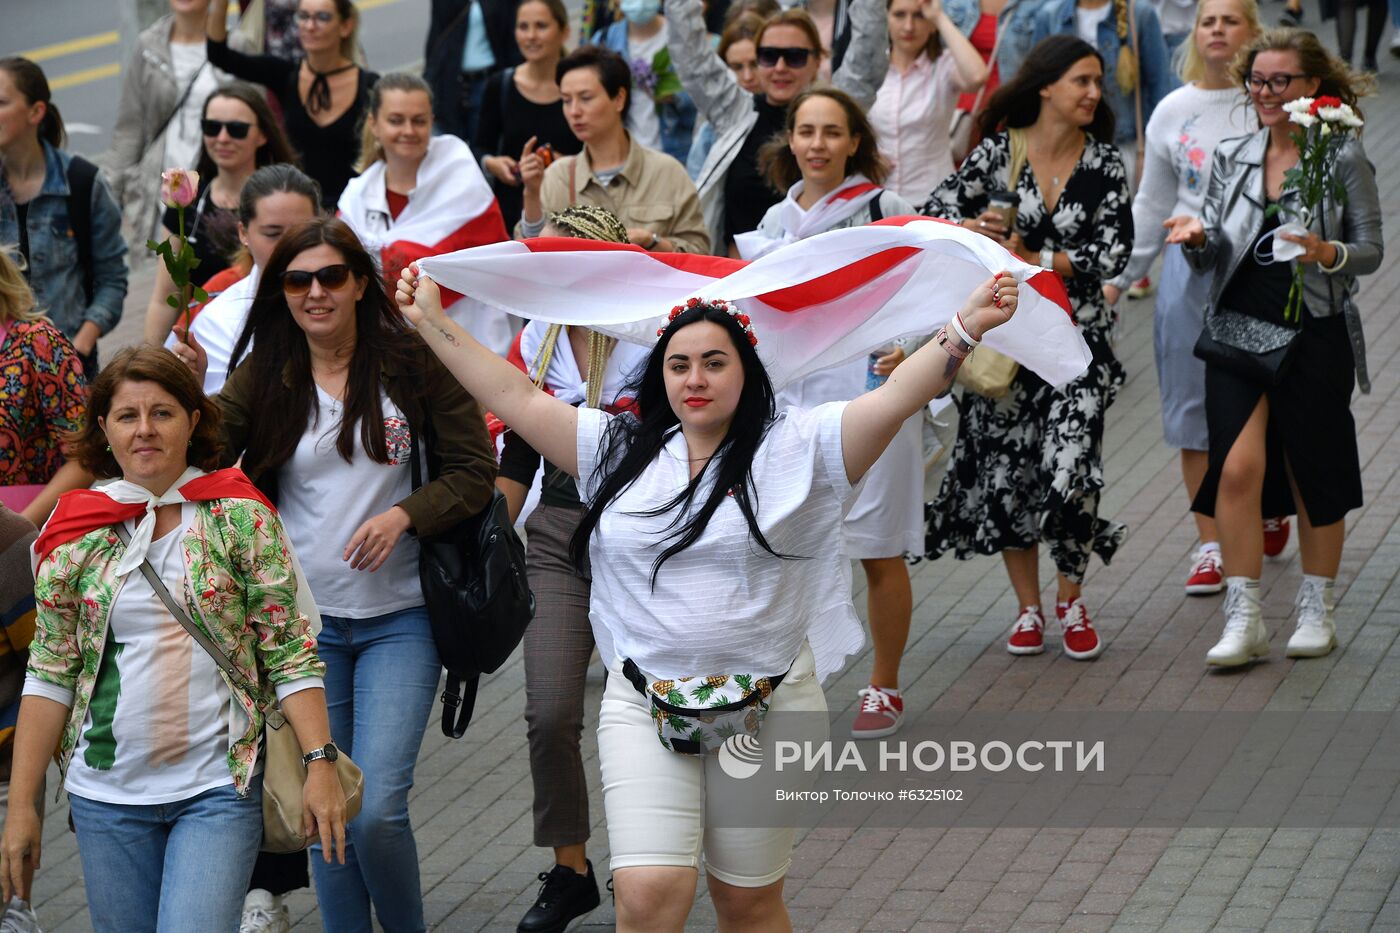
[1029, 467]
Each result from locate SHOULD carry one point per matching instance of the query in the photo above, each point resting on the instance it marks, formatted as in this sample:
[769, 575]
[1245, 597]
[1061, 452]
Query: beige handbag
[987, 372]
[284, 776]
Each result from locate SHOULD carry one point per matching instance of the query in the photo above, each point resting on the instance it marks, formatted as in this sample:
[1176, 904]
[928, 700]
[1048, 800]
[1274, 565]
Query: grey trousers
[558, 646]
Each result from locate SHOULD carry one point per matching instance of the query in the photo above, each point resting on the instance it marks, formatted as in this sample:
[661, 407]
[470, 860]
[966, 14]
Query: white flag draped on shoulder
[815, 303]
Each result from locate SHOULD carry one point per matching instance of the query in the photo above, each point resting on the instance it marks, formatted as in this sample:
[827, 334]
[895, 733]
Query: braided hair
[1126, 74]
[589, 222]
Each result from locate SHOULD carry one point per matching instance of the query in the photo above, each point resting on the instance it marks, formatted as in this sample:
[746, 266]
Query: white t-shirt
[157, 726]
[1087, 22]
[218, 327]
[642, 120]
[724, 605]
[323, 500]
[183, 137]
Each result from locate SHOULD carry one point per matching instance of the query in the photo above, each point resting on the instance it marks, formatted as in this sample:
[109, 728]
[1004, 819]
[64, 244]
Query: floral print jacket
[238, 586]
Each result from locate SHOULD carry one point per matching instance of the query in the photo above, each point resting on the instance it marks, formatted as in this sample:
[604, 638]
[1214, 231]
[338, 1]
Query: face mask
[640, 12]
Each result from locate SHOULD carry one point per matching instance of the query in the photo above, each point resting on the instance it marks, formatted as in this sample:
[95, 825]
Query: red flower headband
[718, 304]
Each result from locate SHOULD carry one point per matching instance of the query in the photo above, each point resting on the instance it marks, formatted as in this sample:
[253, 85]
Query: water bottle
[872, 379]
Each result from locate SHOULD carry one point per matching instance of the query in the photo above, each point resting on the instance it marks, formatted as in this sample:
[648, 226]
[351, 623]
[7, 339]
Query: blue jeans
[381, 680]
[169, 867]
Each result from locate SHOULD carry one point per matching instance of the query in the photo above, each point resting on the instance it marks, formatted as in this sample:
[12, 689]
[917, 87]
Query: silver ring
[982, 224]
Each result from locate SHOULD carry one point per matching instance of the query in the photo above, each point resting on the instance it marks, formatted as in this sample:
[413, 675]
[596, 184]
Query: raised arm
[872, 420]
[867, 58]
[547, 424]
[267, 70]
[704, 74]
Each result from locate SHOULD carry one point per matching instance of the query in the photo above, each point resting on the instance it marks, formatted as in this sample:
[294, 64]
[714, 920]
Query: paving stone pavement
[471, 804]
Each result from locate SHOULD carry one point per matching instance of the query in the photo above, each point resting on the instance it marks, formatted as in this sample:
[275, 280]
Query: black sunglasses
[297, 282]
[237, 129]
[795, 56]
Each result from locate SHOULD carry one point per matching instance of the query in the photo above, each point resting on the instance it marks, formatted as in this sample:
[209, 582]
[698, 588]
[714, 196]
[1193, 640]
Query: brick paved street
[471, 805]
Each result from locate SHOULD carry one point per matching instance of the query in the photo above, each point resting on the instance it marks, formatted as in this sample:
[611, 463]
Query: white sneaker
[19, 918]
[1316, 634]
[1245, 638]
[264, 913]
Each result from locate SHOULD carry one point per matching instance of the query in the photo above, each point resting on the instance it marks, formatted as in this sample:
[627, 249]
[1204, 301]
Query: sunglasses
[324, 17]
[795, 56]
[237, 129]
[297, 283]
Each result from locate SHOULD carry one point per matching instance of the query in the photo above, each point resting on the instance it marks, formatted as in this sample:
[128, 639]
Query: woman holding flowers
[1283, 344]
[240, 136]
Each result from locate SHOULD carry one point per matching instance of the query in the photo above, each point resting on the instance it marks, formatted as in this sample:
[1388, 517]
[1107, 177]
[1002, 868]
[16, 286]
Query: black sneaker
[564, 895]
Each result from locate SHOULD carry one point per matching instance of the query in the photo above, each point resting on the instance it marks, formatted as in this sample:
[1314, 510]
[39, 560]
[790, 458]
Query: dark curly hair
[147, 364]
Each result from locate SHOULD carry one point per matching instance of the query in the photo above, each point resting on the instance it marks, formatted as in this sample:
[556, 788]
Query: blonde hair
[16, 300]
[1126, 72]
[1189, 65]
[1335, 77]
[370, 150]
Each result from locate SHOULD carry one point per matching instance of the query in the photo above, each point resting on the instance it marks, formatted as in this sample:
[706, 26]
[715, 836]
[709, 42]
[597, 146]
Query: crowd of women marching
[248, 475]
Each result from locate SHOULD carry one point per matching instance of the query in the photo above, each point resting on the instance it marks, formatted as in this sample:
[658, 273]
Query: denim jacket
[1233, 215]
[54, 274]
[1154, 63]
[677, 115]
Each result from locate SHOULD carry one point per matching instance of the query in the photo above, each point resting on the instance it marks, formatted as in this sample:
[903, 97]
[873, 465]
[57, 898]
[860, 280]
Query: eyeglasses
[237, 129]
[1277, 84]
[795, 56]
[297, 282]
[324, 17]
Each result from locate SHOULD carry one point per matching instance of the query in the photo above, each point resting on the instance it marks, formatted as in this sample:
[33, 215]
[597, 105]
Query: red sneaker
[1028, 634]
[880, 712]
[1080, 640]
[1275, 536]
[1206, 578]
[1143, 286]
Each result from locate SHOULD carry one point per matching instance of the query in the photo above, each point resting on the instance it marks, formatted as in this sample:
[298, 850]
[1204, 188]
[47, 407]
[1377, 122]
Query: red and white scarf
[451, 208]
[797, 223]
[815, 303]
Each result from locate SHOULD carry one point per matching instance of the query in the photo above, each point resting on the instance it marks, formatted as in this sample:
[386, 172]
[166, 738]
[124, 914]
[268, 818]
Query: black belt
[480, 74]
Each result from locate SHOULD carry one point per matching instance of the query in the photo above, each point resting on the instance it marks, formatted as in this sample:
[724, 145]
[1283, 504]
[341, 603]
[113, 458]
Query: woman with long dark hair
[322, 413]
[240, 136]
[709, 531]
[1028, 466]
[322, 97]
[829, 165]
[1289, 446]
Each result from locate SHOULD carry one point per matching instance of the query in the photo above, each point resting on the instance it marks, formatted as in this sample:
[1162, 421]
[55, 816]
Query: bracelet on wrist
[963, 332]
[954, 344]
[1339, 260]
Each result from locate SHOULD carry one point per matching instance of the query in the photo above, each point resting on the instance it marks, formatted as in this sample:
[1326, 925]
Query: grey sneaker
[19, 918]
[264, 913]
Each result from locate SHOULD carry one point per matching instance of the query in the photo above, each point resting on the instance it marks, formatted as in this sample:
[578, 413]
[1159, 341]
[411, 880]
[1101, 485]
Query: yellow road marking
[71, 46]
[85, 76]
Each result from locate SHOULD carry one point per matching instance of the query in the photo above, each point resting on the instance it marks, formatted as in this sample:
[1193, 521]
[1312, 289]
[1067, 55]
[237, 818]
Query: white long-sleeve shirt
[1182, 135]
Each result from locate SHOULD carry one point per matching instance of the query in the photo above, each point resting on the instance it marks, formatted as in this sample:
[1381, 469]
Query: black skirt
[1311, 431]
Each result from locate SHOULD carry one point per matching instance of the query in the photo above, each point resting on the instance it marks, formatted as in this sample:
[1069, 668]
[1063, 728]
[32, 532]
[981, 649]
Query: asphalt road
[77, 44]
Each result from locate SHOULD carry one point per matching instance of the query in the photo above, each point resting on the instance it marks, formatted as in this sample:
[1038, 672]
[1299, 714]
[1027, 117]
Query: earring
[109, 448]
[190, 445]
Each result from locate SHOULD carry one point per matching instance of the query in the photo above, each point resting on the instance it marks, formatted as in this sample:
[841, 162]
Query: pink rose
[1198, 156]
[178, 187]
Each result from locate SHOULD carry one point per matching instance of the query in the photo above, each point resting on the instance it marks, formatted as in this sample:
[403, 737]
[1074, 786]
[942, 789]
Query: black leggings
[1377, 14]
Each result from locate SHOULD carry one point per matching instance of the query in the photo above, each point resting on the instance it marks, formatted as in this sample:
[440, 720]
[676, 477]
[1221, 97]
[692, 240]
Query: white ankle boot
[1244, 638]
[1316, 634]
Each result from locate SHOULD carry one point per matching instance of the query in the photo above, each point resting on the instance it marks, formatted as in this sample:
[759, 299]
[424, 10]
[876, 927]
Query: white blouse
[912, 117]
[724, 605]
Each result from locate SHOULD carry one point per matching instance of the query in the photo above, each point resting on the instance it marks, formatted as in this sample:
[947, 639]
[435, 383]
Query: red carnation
[742, 319]
[693, 303]
[1321, 102]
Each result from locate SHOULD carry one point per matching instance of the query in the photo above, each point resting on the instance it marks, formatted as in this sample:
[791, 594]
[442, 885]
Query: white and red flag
[814, 303]
[451, 208]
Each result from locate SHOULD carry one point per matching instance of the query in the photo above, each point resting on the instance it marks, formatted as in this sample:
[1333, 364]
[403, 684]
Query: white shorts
[655, 800]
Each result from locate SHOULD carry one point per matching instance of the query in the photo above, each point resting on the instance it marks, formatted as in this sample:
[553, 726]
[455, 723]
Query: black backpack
[82, 178]
[477, 597]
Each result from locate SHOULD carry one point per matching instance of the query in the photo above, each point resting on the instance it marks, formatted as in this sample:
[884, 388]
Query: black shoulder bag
[476, 594]
[82, 178]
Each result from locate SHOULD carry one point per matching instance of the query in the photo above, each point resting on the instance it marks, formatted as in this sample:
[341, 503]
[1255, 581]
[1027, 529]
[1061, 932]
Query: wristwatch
[655, 239]
[1047, 258]
[328, 751]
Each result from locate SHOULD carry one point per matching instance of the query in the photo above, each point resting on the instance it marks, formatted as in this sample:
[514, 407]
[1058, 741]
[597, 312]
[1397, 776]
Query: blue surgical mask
[640, 12]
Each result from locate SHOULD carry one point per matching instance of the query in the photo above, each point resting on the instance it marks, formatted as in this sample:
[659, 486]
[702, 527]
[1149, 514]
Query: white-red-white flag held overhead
[451, 208]
[815, 303]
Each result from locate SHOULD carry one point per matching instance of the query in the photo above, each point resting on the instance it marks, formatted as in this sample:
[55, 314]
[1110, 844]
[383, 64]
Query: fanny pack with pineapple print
[695, 715]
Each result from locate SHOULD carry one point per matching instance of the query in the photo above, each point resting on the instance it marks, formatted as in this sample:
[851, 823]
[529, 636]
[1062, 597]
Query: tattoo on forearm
[447, 335]
[950, 368]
